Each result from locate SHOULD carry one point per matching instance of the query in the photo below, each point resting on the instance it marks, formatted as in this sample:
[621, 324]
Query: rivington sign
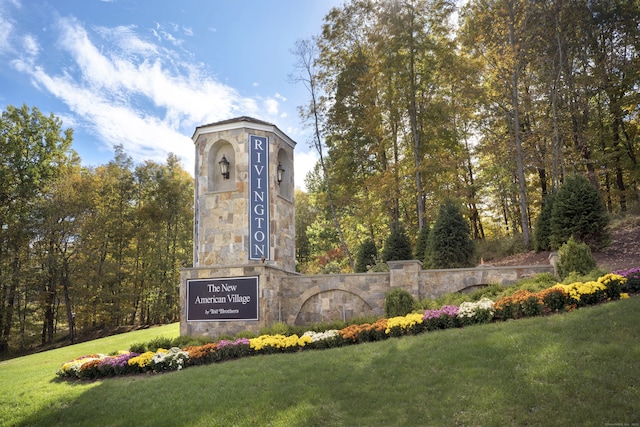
[258, 197]
[222, 299]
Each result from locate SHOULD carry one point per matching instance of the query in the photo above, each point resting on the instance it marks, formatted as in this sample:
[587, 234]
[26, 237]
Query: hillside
[542, 371]
[622, 253]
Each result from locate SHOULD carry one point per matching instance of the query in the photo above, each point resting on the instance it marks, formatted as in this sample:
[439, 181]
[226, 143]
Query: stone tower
[244, 189]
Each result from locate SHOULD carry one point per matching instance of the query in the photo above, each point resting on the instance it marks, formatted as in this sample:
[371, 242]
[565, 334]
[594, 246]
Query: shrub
[186, 340]
[522, 303]
[279, 328]
[507, 308]
[445, 317]
[614, 284]
[575, 257]
[245, 334]
[633, 279]
[532, 306]
[476, 312]
[450, 244]
[116, 365]
[269, 344]
[138, 348]
[232, 349]
[327, 339]
[554, 299]
[201, 354]
[365, 332]
[491, 291]
[173, 359]
[398, 302]
[397, 246]
[159, 342]
[584, 293]
[403, 325]
[367, 256]
[579, 212]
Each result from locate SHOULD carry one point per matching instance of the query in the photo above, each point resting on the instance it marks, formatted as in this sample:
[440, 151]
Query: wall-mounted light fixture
[280, 172]
[224, 167]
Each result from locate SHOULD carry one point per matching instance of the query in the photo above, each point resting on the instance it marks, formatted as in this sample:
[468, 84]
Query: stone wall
[302, 300]
[325, 297]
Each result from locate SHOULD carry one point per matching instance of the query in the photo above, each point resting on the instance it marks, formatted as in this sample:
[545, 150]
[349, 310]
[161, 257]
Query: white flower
[319, 336]
[469, 309]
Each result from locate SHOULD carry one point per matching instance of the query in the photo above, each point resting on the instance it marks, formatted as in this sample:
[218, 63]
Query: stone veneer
[302, 300]
[221, 233]
[221, 226]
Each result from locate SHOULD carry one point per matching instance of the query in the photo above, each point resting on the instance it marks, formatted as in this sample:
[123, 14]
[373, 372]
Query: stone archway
[329, 305]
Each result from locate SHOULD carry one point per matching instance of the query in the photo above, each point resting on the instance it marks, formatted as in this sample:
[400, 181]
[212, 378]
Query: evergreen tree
[367, 256]
[449, 244]
[543, 226]
[578, 211]
[421, 245]
[398, 246]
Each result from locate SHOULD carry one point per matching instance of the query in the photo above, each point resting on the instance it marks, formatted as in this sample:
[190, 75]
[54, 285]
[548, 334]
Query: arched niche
[216, 181]
[285, 187]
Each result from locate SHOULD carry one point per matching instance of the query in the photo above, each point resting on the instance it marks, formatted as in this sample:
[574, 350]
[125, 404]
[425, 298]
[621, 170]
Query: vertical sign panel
[219, 300]
[258, 197]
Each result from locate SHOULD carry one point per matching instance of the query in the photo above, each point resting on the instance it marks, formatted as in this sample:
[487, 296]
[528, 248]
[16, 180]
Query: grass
[578, 368]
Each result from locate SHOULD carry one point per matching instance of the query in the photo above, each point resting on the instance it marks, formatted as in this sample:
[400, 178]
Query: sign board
[222, 299]
[258, 197]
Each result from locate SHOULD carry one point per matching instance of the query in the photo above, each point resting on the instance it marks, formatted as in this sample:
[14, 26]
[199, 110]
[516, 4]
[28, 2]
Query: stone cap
[242, 122]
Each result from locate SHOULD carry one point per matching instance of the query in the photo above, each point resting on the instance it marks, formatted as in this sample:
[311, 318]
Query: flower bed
[521, 303]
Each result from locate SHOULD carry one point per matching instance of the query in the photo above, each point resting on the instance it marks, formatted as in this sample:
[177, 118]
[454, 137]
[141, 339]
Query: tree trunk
[516, 131]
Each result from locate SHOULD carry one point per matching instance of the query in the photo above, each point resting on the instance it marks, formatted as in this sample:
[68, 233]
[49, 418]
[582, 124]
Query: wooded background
[411, 103]
[492, 105]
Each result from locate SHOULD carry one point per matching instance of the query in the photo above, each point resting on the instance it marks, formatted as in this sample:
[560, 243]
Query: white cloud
[304, 162]
[5, 31]
[30, 45]
[137, 93]
[126, 39]
[143, 137]
[271, 106]
[6, 28]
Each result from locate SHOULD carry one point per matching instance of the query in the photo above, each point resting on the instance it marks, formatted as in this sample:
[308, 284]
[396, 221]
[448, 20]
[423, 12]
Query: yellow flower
[611, 277]
[624, 295]
[278, 341]
[143, 360]
[404, 322]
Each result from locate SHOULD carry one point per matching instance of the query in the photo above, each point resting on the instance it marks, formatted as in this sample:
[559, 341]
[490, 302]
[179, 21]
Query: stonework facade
[222, 239]
[221, 227]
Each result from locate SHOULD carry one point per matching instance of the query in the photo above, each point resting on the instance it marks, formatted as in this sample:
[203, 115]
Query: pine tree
[398, 246]
[367, 256]
[578, 211]
[449, 244]
[421, 245]
[543, 226]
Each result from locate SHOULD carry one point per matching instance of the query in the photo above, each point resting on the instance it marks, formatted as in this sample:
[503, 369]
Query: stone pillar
[244, 227]
[406, 275]
[229, 209]
[553, 260]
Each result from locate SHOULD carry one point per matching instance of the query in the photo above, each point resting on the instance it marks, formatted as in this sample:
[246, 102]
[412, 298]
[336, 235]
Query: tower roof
[241, 122]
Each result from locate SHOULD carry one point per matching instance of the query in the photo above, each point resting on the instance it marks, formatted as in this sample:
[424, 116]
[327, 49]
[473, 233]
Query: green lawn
[575, 369]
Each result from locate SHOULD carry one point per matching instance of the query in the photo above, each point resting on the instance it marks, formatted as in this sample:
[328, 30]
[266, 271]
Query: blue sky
[145, 73]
